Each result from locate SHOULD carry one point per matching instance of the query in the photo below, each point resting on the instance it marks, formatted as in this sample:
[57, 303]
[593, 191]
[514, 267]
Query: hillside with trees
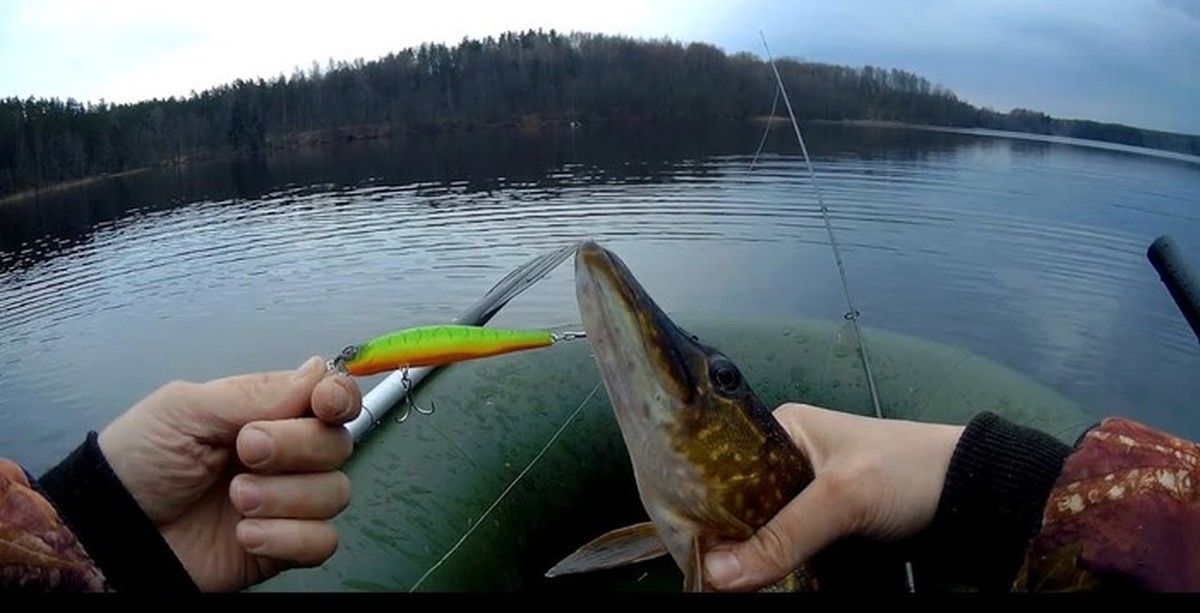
[515, 79]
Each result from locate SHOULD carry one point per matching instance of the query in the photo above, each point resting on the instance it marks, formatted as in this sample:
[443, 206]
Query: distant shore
[293, 141]
[531, 123]
[525, 79]
[51, 188]
[991, 132]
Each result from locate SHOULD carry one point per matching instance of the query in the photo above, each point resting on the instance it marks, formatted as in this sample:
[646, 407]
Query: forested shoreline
[526, 79]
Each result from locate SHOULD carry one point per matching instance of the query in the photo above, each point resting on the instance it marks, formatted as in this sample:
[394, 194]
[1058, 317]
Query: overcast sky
[1129, 61]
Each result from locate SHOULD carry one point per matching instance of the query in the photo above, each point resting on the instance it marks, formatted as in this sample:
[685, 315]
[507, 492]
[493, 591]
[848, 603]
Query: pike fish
[710, 461]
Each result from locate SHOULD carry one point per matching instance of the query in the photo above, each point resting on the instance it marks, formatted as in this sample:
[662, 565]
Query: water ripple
[1034, 258]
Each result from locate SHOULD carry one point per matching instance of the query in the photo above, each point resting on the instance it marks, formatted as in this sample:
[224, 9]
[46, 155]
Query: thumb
[807, 524]
[229, 403]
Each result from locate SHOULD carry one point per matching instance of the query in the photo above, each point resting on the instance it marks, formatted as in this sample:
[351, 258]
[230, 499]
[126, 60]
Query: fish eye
[725, 375]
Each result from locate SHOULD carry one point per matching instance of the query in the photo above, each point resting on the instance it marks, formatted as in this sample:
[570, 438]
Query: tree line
[516, 78]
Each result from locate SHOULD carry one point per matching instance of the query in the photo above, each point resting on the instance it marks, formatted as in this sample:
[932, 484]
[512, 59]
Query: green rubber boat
[522, 460]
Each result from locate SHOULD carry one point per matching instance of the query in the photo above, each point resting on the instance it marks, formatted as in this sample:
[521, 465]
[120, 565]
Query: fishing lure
[438, 345]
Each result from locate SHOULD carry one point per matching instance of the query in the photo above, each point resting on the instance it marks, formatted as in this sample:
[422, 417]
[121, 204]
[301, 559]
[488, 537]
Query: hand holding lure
[437, 346]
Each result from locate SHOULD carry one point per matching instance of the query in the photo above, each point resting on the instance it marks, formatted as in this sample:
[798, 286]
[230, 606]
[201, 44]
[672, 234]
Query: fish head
[710, 461]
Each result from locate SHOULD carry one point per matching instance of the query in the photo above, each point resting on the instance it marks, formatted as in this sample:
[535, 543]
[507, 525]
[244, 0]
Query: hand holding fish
[238, 479]
[873, 478]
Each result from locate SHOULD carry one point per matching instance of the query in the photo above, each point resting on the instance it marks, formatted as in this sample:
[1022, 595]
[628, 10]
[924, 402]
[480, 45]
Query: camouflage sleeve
[38, 553]
[1123, 513]
[1021, 511]
[76, 528]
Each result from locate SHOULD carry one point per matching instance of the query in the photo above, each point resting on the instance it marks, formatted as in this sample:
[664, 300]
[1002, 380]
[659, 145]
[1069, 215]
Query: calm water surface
[1030, 253]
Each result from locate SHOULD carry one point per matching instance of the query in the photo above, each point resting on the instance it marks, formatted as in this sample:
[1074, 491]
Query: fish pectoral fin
[620, 547]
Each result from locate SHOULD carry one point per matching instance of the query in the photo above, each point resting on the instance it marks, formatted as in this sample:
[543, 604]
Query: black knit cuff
[110, 525]
[991, 507]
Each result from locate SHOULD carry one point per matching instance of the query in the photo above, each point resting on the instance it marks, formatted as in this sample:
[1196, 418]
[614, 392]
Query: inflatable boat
[521, 460]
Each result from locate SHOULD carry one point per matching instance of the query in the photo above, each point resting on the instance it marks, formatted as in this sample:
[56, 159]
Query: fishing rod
[852, 312]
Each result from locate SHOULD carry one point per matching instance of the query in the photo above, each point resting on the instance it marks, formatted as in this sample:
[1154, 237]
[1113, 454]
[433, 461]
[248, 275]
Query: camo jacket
[1022, 511]
[1124, 511]
[77, 529]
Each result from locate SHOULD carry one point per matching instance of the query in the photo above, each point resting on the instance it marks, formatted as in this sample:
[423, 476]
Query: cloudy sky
[1129, 61]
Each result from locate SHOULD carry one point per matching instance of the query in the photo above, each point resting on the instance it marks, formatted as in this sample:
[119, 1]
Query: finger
[295, 542]
[293, 446]
[336, 399]
[810, 522]
[307, 496]
[13, 472]
[232, 402]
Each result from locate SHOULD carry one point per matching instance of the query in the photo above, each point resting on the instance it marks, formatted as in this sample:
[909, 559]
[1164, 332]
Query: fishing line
[766, 131]
[508, 489]
[852, 313]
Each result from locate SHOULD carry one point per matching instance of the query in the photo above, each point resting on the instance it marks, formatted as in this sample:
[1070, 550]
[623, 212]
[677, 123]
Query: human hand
[874, 478]
[239, 480]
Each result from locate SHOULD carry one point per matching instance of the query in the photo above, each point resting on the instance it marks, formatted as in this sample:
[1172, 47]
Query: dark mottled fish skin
[711, 462]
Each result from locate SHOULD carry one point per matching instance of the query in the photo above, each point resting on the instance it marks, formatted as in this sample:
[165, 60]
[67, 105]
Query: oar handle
[1179, 278]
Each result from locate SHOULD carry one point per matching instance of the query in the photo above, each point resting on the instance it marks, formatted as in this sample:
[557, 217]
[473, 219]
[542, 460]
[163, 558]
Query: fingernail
[249, 496]
[255, 447]
[307, 368]
[722, 567]
[251, 535]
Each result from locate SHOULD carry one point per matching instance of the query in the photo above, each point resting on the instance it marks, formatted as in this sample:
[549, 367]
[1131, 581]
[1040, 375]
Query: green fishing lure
[438, 345]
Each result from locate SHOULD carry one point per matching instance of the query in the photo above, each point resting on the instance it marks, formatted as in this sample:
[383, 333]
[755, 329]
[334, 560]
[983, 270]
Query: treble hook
[411, 404]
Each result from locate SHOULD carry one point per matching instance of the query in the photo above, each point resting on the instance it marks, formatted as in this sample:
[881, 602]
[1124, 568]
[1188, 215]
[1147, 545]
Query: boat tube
[522, 461]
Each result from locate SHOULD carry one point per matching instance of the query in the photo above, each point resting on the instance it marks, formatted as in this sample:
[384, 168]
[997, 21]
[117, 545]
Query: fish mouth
[645, 359]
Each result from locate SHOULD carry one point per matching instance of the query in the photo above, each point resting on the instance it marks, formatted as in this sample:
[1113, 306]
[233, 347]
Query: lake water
[1030, 253]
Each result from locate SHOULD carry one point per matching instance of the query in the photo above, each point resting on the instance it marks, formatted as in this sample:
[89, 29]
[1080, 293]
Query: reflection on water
[1031, 253]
